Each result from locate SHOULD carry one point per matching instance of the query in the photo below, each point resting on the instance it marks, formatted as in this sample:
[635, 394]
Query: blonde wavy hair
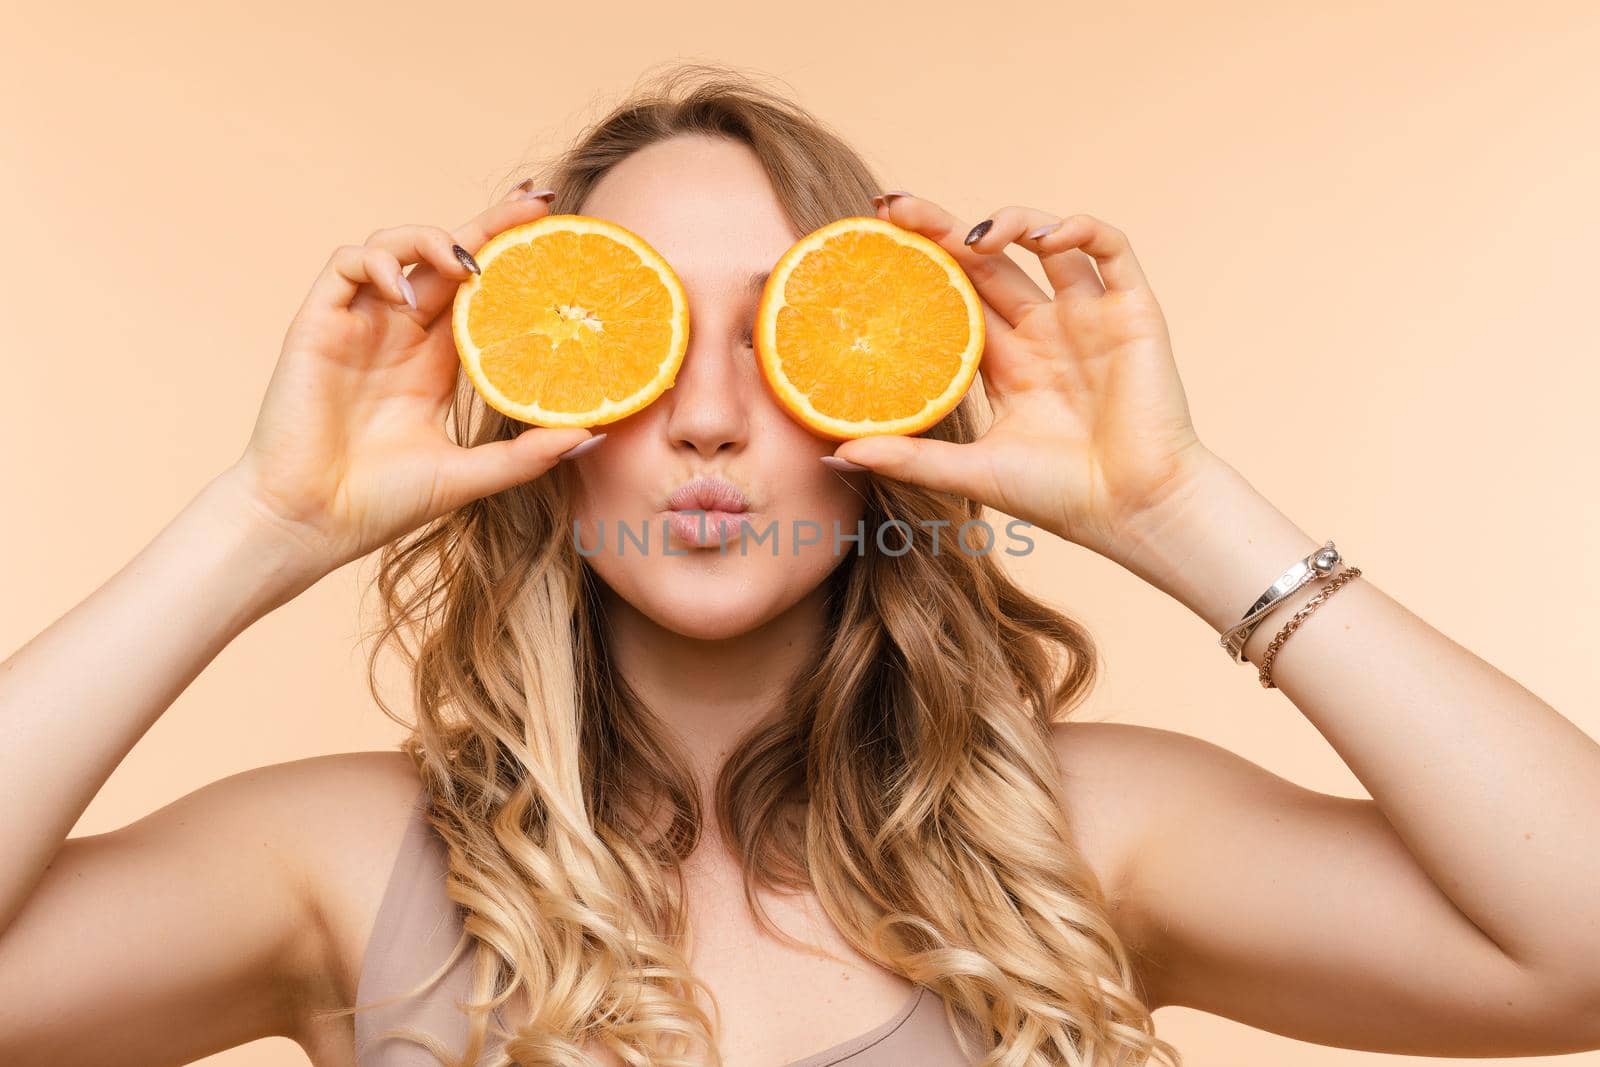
[908, 779]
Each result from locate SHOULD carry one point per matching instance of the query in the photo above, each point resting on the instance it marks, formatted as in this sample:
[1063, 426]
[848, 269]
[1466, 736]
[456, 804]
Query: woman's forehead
[730, 260]
[708, 209]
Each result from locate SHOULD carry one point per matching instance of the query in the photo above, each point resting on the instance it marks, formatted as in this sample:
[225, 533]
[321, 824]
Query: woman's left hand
[1091, 430]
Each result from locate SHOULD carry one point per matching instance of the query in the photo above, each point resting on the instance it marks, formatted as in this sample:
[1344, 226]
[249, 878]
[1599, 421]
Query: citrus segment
[575, 321]
[868, 328]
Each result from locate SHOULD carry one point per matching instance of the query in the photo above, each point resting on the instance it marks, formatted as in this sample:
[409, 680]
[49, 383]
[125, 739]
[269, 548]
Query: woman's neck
[710, 693]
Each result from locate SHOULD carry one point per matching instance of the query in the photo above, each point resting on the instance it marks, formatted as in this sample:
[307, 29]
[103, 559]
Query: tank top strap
[416, 927]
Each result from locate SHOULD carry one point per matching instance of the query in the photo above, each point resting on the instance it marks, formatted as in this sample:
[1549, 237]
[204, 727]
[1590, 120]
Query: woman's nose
[709, 402]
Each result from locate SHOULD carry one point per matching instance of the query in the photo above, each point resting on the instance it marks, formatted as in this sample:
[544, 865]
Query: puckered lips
[707, 510]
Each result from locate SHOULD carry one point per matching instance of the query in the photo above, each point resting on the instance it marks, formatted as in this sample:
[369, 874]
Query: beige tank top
[418, 924]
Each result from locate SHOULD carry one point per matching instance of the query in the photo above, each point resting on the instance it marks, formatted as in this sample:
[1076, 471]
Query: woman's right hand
[349, 450]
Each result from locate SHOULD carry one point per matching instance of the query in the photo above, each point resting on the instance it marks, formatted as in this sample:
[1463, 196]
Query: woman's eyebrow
[757, 281]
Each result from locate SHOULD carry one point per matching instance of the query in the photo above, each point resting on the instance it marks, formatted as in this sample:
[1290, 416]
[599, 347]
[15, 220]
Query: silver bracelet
[1319, 564]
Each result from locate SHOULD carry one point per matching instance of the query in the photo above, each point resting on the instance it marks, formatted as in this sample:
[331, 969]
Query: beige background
[1372, 228]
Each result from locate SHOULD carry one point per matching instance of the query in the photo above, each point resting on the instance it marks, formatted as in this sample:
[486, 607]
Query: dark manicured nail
[582, 446]
[524, 190]
[839, 463]
[466, 259]
[978, 231]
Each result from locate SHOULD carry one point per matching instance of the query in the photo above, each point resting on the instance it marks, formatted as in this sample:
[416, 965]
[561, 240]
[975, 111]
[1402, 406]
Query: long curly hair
[908, 779]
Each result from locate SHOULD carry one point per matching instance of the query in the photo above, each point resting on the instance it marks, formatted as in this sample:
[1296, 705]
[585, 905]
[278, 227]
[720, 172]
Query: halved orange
[575, 321]
[865, 328]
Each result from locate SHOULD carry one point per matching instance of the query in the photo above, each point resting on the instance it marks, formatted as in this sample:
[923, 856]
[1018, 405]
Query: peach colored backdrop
[1373, 230]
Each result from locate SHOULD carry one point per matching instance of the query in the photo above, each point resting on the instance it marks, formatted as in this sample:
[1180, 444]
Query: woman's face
[706, 205]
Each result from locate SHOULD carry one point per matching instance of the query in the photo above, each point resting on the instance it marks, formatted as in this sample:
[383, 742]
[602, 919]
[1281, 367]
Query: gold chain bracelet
[1332, 586]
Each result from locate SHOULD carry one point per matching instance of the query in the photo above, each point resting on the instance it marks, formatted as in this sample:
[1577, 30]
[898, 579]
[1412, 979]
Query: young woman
[813, 807]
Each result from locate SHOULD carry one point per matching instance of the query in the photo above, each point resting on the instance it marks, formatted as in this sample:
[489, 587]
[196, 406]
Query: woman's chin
[709, 603]
[710, 618]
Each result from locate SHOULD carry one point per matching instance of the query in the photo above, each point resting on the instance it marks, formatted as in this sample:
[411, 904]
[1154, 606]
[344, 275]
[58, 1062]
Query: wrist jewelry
[1344, 577]
[1317, 565]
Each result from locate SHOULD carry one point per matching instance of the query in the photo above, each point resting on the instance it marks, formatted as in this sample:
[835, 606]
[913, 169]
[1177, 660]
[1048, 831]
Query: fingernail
[885, 197]
[410, 293]
[840, 464]
[581, 447]
[1042, 230]
[466, 259]
[978, 231]
[525, 191]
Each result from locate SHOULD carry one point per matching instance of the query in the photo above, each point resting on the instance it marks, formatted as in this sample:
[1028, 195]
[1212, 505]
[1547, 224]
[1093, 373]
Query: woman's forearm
[77, 697]
[1491, 789]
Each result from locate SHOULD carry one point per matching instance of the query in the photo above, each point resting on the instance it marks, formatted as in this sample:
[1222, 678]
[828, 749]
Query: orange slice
[865, 328]
[575, 321]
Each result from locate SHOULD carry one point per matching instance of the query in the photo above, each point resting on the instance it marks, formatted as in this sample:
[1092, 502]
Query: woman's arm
[76, 698]
[187, 931]
[1454, 912]
[205, 924]
[1477, 785]
[1494, 792]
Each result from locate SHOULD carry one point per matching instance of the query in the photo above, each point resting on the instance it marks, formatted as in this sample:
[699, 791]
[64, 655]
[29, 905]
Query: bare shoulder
[1108, 777]
[1113, 776]
[1104, 768]
[1130, 790]
[348, 812]
[219, 918]
[1122, 780]
[336, 821]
